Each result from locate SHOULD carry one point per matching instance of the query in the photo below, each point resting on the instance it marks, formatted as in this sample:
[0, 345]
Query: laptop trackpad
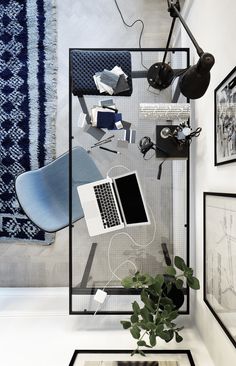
[91, 209]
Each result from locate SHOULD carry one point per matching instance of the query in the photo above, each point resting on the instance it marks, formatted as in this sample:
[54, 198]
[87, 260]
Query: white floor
[37, 330]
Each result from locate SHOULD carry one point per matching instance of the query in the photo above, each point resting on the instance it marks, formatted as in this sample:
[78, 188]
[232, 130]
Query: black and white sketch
[220, 259]
[225, 120]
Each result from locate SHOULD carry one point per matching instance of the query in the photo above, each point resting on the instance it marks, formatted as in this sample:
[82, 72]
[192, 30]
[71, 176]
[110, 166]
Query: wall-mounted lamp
[194, 80]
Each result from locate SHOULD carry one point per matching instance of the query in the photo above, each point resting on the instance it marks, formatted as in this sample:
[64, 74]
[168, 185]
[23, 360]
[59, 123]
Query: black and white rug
[27, 105]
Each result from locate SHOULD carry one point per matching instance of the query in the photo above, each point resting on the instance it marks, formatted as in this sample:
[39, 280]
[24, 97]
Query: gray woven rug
[27, 106]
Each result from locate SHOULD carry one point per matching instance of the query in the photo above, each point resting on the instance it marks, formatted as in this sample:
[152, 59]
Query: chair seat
[44, 193]
[86, 63]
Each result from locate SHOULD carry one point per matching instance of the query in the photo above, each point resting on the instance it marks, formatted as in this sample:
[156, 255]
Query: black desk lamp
[194, 80]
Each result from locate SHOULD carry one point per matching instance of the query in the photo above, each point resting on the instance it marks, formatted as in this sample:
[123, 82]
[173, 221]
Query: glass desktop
[100, 262]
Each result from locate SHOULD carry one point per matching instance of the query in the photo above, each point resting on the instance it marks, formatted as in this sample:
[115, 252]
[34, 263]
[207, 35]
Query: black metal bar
[166, 254]
[84, 109]
[85, 278]
[188, 206]
[70, 185]
[168, 40]
[109, 291]
[196, 45]
[139, 74]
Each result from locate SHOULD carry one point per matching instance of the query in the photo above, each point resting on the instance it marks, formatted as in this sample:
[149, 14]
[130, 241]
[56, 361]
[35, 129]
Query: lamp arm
[168, 41]
[196, 45]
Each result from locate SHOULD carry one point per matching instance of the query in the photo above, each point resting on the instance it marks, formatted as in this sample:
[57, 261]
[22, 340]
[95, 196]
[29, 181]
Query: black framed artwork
[220, 259]
[225, 120]
[124, 358]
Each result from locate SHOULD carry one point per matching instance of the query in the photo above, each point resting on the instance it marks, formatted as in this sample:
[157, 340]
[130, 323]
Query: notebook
[113, 203]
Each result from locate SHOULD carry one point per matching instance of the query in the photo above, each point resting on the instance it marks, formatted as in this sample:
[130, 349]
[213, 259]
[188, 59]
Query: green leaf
[179, 283]
[135, 332]
[127, 282]
[134, 352]
[193, 282]
[145, 314]
[159, 329]
[166, 301]
[188, 272]
[178, 337]
[151, 326]
[179, 263]
[136, 307]
[159, 279]
[173, 315]
[134, 318]
[142, 324]
[126, 324]
[142, 344]
[170, 270]
[145, 299]
[152, 339]
[164, 335]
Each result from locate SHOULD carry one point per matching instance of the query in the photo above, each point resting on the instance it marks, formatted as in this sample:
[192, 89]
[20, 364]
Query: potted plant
[161, 297]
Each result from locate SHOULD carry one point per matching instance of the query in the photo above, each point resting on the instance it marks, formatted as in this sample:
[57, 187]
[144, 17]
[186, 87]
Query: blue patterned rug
[27, 105]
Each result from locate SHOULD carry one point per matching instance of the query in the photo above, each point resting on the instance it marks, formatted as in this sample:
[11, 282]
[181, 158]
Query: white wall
[213, 25]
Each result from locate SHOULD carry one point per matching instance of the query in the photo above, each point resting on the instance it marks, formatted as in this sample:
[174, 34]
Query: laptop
[113, 203]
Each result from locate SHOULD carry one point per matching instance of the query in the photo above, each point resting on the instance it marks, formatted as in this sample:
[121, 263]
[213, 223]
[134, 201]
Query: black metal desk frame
[82, 290]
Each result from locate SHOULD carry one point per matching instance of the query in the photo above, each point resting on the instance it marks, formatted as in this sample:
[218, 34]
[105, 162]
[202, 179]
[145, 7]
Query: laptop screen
[131, 199]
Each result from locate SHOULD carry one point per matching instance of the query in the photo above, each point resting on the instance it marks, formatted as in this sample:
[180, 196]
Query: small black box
[168, 147]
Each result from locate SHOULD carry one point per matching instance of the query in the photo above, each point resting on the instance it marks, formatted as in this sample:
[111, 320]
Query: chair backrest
[44, 193]
[85, 63]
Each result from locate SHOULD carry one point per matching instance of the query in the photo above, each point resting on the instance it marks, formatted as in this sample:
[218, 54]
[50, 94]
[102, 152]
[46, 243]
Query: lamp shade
[194, 82]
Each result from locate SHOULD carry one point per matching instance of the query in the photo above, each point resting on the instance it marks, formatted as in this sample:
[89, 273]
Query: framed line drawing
[225, 120]
[123, 358]
[220, 259]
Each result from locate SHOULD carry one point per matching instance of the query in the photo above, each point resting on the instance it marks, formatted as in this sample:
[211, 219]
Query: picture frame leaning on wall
[220, 259]
[225, 120]
[167, 357]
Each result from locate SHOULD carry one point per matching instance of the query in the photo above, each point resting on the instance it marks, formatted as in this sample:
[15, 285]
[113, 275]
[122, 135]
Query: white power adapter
[100, 296]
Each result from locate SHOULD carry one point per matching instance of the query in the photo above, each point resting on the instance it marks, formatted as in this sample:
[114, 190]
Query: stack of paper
[106, 117]
[111, 81]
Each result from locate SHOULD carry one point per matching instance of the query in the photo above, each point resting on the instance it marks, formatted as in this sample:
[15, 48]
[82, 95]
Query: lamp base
[166, 143]
[160, 75]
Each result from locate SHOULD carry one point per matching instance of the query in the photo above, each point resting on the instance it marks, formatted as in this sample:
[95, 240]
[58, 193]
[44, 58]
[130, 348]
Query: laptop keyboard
[106, 204]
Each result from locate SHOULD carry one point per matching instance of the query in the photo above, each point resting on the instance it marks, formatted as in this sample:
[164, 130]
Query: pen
[112, 109]
[105, 148]
[101, 143]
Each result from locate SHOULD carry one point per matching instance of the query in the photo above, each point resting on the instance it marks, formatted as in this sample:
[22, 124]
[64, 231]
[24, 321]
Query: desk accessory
[165, 111]
[110, 150]
[194, 80]
[105, 140]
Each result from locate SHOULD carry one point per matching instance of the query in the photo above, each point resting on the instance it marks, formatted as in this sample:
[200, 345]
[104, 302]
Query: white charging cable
[133, 241]
[101, 295]
[117, 166]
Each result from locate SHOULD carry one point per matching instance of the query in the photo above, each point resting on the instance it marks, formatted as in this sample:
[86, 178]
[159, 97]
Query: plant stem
[141, 339]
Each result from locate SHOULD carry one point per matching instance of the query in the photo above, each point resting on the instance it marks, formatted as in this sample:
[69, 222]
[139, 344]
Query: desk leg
[85, 278]
[166, 254]
[84, 109]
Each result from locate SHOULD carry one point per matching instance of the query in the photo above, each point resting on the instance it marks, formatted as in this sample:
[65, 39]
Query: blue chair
[44, 193]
